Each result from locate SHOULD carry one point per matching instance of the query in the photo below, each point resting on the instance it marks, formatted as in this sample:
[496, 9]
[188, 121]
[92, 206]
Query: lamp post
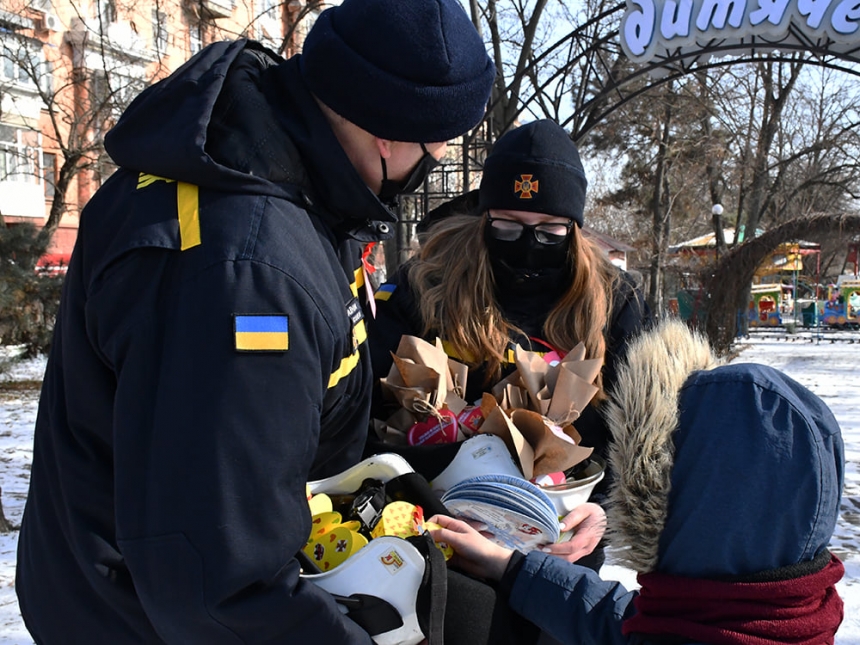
[720, 238]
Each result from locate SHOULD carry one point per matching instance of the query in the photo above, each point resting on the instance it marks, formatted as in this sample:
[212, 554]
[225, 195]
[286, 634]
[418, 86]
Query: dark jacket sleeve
[630, 316]
[213, 449]
[568, 602]
[397, 315]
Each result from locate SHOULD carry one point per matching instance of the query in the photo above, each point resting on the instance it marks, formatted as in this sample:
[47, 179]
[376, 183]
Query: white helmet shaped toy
[567, 496]
[378, 588]
[483, 454]
[384, 467]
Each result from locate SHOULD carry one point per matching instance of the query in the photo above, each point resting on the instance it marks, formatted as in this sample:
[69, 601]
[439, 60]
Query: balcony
[20, 105]
[14, 21]
[119, 41]
[219, 8]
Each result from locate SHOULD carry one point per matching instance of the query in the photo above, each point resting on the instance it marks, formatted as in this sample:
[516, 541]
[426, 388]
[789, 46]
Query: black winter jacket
[398, 314]
[209, 359]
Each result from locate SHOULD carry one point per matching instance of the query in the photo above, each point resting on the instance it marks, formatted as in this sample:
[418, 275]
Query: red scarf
[799, 611]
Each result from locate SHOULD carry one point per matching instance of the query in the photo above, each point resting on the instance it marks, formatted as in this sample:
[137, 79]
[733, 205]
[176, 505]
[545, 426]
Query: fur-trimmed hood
[721, 470]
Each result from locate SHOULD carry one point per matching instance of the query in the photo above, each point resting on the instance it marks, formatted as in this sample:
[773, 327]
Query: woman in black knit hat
[520, 272]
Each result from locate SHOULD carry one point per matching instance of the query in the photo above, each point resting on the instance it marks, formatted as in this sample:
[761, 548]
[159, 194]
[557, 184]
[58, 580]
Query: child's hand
[474, 553]
[589, 524]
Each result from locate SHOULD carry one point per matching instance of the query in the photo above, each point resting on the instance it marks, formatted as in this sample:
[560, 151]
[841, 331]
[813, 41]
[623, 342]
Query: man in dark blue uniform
[209, 356]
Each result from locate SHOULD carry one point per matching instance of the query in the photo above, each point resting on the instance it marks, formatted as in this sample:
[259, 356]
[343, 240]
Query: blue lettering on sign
[652, 26]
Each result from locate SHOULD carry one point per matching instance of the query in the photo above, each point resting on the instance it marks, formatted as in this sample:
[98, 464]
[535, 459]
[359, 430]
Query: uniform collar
[336, 192]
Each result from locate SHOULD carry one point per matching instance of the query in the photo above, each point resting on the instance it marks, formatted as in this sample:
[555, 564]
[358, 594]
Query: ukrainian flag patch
[384, 292]
[261, 332]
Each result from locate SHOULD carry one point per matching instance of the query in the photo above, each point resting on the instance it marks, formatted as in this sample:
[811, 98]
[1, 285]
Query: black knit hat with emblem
[535, 168]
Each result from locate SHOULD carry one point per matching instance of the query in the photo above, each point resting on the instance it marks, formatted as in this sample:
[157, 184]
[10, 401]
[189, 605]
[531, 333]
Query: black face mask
[526, 253]
[527, 265]
[391, 188]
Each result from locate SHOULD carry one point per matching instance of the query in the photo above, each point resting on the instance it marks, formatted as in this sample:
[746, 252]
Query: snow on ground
[17, 415]
[829, 365]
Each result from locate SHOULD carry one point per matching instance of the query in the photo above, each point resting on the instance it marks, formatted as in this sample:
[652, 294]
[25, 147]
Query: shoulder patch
[385, 291]
[261, 332]
[145, 179]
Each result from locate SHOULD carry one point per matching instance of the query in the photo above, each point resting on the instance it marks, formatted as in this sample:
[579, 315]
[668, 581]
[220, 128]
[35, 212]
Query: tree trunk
[660, 215]
[776, 95]
[5, 525]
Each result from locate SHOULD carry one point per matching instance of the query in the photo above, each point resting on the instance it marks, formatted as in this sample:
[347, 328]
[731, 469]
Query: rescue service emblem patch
[525, 186]
[261, 332]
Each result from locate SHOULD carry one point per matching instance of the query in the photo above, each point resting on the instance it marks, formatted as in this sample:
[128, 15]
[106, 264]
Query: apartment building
[68, 68]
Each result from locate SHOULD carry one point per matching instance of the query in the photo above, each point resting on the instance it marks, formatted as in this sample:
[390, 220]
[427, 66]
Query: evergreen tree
[29, 294]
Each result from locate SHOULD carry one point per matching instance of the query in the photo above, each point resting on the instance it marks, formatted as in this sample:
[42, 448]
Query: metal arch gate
[607, 80]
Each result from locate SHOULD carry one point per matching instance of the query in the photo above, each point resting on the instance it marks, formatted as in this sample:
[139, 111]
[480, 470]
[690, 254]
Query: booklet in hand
[517, 513]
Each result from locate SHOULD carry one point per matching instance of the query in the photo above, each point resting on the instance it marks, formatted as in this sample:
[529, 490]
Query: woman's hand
[589, 524]
[474, 553]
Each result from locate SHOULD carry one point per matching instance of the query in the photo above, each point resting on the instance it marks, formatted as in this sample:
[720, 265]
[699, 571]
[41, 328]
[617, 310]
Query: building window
[270, 24]
[102, 170]
[305, 23]
[110, 94]
[270, 9]
[49, 174]
[22, 65]
[195, 37]
[159, 31]
[46, 80]
[106, 12]
[20, 155]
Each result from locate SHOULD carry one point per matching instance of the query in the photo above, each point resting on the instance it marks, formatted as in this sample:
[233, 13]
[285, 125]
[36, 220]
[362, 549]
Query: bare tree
[790, 151]
[80, 88]
[65, 92]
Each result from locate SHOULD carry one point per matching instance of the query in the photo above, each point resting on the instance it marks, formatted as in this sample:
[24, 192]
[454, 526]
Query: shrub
[29, 295]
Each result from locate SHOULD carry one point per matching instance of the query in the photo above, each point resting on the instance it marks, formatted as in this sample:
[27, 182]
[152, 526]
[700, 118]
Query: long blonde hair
[453, 282]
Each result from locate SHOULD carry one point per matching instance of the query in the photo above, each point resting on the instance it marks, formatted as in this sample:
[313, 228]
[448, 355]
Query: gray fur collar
[642, 414]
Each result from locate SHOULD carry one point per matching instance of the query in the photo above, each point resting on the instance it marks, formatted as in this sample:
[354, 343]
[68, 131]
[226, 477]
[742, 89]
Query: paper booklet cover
[517, 513]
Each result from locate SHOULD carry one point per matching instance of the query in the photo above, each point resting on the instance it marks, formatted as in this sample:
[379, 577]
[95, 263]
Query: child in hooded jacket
[728, 484]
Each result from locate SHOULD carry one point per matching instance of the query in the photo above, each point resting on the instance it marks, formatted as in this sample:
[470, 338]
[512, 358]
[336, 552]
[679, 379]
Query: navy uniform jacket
[209, 359]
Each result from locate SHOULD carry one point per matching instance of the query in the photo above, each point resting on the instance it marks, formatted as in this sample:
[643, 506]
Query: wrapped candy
[402, 519]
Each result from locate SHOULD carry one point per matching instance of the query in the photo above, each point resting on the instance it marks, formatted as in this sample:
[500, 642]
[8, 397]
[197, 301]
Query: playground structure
[842, 307]
[767, 306]
[772, 305]
[778, 303]
[781, 295]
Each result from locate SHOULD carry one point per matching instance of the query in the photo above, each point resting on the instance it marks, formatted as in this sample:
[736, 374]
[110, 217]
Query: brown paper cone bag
[499, 424]
[551, 453]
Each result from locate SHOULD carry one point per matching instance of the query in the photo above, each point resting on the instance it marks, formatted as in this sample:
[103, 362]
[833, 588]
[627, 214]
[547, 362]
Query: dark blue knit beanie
[405, 70]
[535, 168]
